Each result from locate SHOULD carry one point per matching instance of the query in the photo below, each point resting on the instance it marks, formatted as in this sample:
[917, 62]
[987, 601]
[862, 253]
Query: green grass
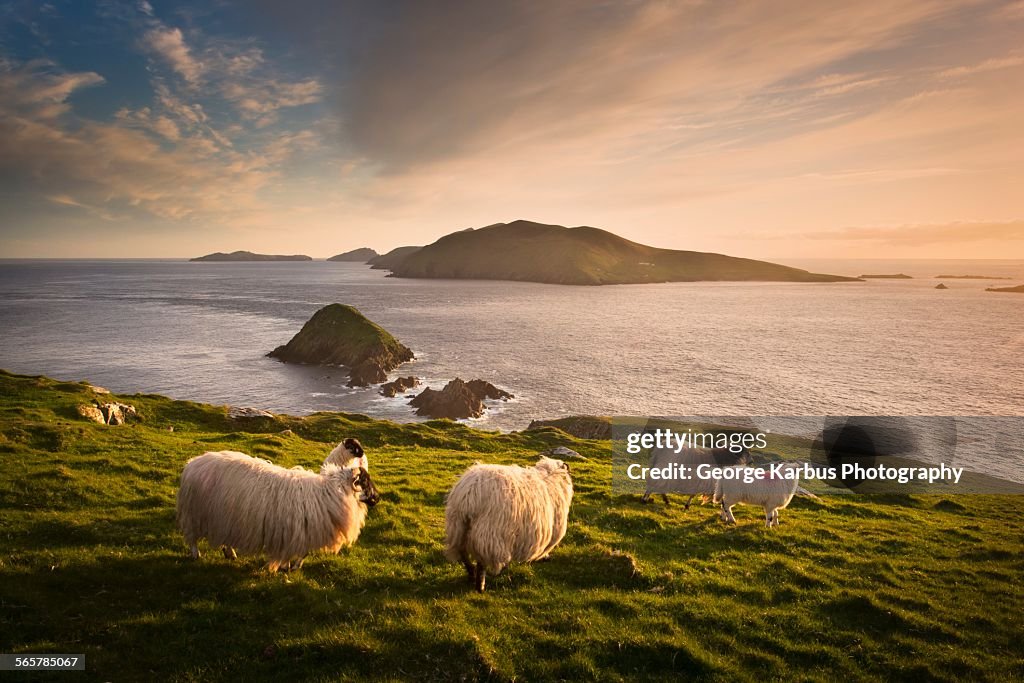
[914, 588]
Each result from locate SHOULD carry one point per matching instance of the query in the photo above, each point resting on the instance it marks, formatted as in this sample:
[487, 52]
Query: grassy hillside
[535, 252]
[915, 588]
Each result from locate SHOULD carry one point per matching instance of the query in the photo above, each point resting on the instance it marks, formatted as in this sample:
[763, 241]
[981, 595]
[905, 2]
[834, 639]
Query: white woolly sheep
[690, 457]
[239, 502]
[348, 453]
[497, 514]
[771, 493]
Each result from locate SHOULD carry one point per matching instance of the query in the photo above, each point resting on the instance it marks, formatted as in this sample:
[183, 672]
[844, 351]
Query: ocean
[200, 331]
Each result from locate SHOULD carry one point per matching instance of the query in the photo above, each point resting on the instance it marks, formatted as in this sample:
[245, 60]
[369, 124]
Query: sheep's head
[550, 465]
[363, 485]
[353, 447]
[346, 452]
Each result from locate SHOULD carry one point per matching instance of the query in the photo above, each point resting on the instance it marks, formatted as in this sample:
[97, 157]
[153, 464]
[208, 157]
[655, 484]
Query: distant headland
[362, 255]
[249, 256]
[537, 252]
[1019, 289]
[391, 259]
[897, 276]
[971, 277]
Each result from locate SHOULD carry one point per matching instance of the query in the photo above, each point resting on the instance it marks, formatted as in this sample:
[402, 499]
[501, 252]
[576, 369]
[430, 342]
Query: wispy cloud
[993, 64]
[918, 235]
[169, 45]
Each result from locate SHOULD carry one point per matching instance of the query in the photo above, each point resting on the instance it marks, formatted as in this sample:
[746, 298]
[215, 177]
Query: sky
[864, 129]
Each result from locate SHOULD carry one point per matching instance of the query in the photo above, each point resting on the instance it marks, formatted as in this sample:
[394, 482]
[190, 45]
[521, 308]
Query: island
[341, 335]
[554, 254]
[361, 255]
[249, 256]
[1019, 289]
[391, 259]
[897, 276]
[971, 277]
[941, 285]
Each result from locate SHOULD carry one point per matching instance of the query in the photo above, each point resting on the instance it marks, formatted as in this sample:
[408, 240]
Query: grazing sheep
[239, 502]
[497, 514]
[690, 457]
[771, 493]
[348, 453]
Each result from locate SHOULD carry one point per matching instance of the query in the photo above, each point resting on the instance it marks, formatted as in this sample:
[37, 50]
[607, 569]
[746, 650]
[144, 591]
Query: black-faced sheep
[497, 514]
[348, 453]
[251, 505]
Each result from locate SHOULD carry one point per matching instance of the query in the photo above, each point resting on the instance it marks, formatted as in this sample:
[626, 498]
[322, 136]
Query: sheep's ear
[565, 466]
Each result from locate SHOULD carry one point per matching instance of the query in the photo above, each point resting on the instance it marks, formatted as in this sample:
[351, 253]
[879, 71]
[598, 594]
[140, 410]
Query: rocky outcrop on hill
[399, 386]
[113, 413]
[244, 413]
[457, 400]
[580, 426]
[341, 335]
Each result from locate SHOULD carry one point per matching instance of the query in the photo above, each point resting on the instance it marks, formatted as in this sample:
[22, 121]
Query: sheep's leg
[481, 577]
[229, 552]
[727, 514]
[775, 517]
[768, 517]
[689, 500]
[194, 551]
[664, 497]
[646, 498]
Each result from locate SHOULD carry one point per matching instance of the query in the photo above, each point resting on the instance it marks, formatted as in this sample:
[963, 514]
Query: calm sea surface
[200, 331]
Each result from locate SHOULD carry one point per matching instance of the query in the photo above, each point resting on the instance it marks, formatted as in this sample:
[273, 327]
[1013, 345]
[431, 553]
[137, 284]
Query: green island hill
[361, 255]
[249, 256]
[536, 252]
[341, 335]
[847, 588]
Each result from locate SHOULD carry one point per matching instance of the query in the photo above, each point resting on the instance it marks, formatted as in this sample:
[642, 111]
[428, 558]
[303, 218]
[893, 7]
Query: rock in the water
[92, 413]
[941, 285]
[457, 400]
[341, 335]
[399, 386]
[484, 389]
[562, 452]
[242, 413]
